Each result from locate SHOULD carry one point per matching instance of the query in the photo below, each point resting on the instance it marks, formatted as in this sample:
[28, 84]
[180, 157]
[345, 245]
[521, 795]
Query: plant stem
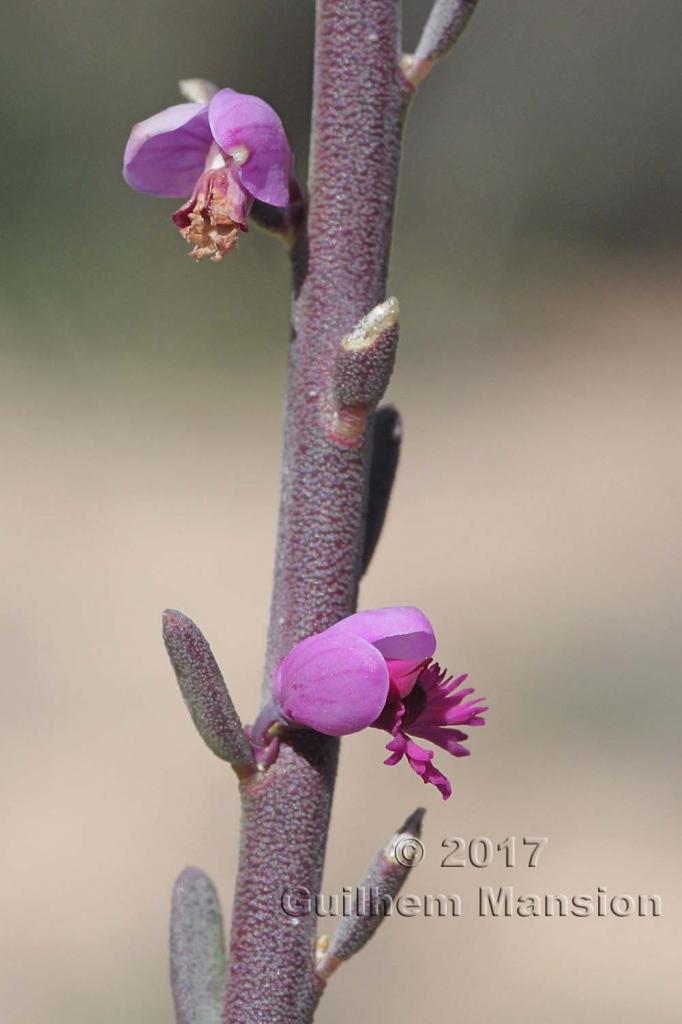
[340, 265]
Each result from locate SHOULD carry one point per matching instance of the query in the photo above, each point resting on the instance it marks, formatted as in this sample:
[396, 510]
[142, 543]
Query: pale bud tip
[321, 948]
[378, 321]
[197, 90]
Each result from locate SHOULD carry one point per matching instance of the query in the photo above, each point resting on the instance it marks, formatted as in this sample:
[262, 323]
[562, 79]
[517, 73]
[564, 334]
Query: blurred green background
[537, 260]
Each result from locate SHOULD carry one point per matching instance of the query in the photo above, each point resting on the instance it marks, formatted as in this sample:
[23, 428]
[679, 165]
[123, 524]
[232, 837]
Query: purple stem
[340, 264]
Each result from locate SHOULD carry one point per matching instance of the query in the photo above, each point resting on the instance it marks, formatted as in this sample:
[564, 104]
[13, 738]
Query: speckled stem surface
[340, 264]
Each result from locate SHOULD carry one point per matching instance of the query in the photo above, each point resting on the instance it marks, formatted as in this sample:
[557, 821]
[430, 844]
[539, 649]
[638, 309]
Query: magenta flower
[375, 669]
[223, 153]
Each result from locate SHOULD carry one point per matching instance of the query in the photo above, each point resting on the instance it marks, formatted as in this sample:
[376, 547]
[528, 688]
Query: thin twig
[445, 24]
[382, 882]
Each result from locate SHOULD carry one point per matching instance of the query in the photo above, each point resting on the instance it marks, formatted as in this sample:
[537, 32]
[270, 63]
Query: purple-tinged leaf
[385, 437]
[197, 950]
[382, 883]
[362, 370]
[204, 692]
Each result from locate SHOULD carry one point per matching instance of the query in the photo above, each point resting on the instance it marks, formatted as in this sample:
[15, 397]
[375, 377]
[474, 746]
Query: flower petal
[470, 713]
[420, 761]
[401, 634]
[403, 676]
[448, 739]
[166, 153]
[240, 120]
[336, 684]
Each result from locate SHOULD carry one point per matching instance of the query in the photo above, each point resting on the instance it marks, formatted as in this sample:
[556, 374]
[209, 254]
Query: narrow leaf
[197, 950]
[386, 436]
[381, 884]
[205, 693]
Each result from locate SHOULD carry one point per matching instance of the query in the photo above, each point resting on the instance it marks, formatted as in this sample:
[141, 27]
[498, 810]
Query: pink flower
[431, 709]
[223, 153]
[374, 668]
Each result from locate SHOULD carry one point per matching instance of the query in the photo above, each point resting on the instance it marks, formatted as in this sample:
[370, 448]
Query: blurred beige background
[536, 517]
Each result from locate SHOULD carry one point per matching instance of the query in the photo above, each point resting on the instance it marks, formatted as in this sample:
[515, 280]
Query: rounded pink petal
[401, 634]
[404, 675]
[166, 153]
[336, 684]
[240, 120]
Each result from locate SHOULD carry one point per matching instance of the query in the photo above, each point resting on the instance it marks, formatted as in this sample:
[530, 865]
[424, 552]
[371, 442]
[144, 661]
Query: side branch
[385, 439]
[383, 880]
[204, 692]
[447, 21]
[362, 370]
